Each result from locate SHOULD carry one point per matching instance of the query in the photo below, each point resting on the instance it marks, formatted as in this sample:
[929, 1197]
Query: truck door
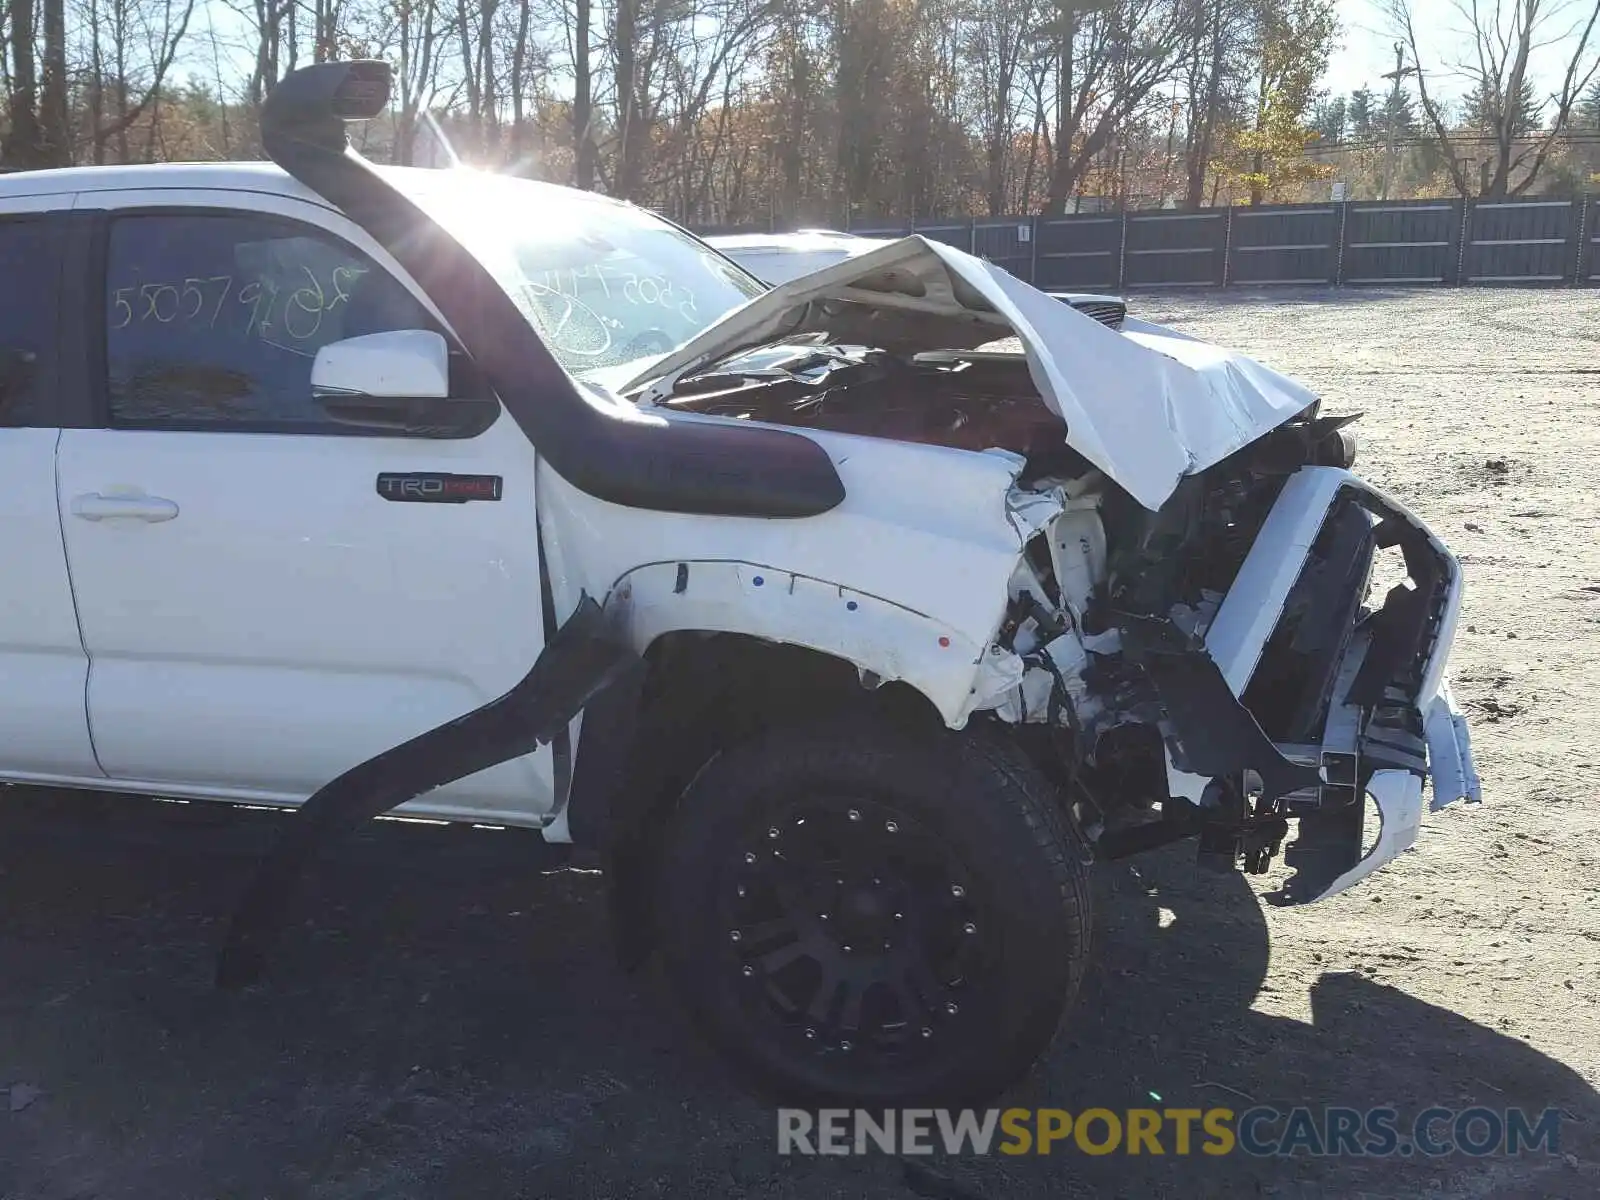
[259, 611]
[44, 732]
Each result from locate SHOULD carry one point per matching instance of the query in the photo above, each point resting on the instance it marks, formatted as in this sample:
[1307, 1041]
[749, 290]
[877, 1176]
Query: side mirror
[397, 380]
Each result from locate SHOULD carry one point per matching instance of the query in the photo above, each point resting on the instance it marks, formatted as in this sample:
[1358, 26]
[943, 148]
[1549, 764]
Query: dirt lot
[450, 1024]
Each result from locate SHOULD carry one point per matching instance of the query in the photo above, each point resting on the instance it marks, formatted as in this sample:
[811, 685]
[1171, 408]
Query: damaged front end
[1269, 646]
[1214, 628]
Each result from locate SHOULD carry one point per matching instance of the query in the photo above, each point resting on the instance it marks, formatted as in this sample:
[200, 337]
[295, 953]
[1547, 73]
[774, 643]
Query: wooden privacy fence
[1542, 242]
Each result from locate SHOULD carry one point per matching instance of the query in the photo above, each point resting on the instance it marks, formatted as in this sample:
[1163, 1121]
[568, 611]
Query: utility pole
[1398, 74]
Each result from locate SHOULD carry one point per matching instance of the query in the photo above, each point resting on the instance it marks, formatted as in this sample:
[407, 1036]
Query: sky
[1366, 48]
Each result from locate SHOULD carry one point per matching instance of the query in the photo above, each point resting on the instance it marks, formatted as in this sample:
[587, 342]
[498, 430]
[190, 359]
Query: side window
[27, 321]
[213, 321]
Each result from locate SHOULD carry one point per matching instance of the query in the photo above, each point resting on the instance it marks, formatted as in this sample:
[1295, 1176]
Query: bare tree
[1212, 79]
[54, 122]
[271, 23]
[132, 47]
[1504, 36]
[996, 35]
[1109, 56]
[24, 140]
[407, 31]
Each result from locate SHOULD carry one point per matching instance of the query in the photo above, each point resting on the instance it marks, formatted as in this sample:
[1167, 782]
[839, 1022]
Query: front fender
[958, 671]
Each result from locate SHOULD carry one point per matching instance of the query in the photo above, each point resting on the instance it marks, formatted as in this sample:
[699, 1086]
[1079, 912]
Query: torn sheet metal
[1450, 764]
[1031, 511]
[1146, 405]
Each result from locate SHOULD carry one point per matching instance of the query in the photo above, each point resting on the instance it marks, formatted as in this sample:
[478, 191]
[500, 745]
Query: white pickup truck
[850, 620]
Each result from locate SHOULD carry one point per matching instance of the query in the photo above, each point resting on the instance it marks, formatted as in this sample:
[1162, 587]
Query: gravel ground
[450, 1024]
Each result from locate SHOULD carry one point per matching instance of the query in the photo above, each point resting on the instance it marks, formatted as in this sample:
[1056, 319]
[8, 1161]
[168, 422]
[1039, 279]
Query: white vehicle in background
[779, 257]
[849, 644]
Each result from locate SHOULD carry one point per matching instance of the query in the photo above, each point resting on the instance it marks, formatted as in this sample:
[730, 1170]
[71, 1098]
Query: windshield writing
[604, 284]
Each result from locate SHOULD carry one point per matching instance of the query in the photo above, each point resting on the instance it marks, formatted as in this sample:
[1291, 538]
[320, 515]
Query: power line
[1570, 136]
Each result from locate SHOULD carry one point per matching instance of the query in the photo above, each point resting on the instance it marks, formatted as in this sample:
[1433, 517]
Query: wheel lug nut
[891, 827]
[743, 891]
[845, 1046]
[899, 916]
[952, 1007]
[855, 814]
[747, 971]
[969, 927]
[773, 832]
[811, 1035]
[926, 1032]
[750, 857]
[847, 949]
[735, 936]
[957, 890]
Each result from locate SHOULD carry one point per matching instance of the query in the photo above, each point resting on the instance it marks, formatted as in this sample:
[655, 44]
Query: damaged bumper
[1313, 684]
[1397, 794]
[1391, 722]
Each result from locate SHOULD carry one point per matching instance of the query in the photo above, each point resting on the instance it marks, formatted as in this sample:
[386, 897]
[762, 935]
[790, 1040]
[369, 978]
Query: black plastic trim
[1209, 731]
[80, 385]
[604, 761]
[579, 661]
[606, 448]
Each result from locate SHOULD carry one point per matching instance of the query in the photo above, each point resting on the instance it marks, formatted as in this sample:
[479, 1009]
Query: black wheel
[863, 916]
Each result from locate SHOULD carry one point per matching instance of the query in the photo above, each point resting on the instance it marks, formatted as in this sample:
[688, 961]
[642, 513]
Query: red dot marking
[944, 642]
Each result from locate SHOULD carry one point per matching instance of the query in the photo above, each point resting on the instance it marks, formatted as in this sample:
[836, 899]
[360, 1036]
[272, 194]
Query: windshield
[603, 283]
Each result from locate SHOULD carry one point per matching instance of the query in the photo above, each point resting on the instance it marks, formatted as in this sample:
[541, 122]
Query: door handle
[92, 506]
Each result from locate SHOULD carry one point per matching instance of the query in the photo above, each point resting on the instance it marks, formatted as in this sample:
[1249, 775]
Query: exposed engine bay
[1154, 738]
[965, 399]
[968, 400]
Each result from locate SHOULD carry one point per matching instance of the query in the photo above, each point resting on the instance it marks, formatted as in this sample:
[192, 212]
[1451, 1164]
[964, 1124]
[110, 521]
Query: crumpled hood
[1147, 405]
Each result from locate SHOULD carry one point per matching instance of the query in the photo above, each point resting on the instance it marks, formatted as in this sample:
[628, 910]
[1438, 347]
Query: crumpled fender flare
[958, 670]
[885, 642]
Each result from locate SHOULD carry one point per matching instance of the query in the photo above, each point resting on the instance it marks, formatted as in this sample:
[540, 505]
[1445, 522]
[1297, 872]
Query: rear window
[27, 320]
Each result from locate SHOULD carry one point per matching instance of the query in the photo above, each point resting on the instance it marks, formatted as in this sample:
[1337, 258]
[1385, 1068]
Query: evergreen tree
[1399, 113]
[1329, 118]
[1484, 108]
[1587, 114]
[1361, 113]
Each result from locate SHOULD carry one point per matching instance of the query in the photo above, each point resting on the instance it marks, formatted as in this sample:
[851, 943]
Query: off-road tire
[972, 795]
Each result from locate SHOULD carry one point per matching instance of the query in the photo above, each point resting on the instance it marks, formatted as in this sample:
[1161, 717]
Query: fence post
[1122, 255]
[1461, 248]
[1338, 257]
[1033, 253]
[1583, 232]
[972, 236]
[1227, 243]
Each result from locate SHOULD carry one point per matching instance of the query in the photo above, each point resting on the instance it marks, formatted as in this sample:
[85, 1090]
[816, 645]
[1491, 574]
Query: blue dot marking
[851, 605]
[759, 581]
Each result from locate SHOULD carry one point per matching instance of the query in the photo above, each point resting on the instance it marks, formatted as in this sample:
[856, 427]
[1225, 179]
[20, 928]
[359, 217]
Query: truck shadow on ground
[448, 1021]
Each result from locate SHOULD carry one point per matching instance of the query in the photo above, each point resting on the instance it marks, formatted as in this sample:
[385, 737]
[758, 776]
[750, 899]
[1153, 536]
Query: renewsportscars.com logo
[1260, 1131]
